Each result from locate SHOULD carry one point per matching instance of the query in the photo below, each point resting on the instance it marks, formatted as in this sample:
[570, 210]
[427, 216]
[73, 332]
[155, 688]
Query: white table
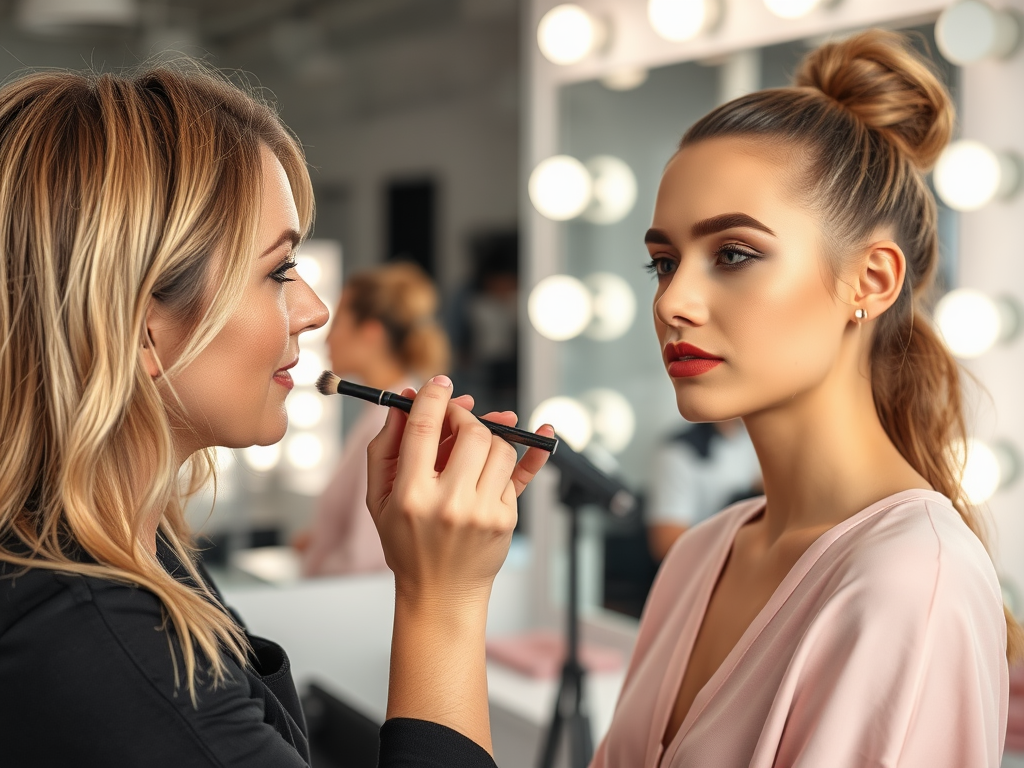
[337, 632]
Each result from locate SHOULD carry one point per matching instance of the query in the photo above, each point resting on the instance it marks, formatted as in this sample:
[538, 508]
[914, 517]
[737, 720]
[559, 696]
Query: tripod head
[583, 483]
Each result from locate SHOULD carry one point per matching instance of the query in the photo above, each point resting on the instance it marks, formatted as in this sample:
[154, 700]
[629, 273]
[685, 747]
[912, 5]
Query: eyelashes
[729, 257]
[280, 274]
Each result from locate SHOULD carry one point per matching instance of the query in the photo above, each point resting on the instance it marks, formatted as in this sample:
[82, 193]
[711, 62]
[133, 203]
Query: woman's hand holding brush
[443, 491]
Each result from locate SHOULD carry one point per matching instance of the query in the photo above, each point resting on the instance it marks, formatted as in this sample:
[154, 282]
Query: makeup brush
[331, 384]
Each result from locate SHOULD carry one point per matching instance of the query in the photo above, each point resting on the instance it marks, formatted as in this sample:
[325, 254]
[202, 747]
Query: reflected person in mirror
[851, 616]
[384, 334]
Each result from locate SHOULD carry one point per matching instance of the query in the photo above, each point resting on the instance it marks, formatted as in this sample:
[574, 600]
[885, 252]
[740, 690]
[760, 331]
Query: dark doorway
[412, 206]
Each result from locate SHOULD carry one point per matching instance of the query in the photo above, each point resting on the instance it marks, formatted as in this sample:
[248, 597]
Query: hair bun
[887, 85]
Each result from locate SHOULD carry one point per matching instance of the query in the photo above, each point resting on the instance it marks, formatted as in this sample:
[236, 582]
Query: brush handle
[511, 434]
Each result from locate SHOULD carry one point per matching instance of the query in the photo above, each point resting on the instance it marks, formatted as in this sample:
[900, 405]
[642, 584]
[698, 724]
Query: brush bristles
[327, 384]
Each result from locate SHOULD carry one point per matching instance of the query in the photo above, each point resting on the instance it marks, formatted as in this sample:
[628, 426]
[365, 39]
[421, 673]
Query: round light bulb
[262, 458]
[308, 369]
[625, 79]
[981, 472]
[792, 9]
[613, 190]
[969, 175]
[305, 409]
[560, 307]
[969, 31]
[567, 34]
[614, 306]
[309, 270]
[612, 416]
[570, 418]
[969, 322]
[305, 451]
[560, 187]
[679, 20]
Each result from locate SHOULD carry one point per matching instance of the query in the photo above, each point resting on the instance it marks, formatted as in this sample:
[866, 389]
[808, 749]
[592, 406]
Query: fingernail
[441, 380]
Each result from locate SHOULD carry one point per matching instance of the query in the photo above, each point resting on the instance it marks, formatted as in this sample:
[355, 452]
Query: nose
[305, 310]
[683, 302]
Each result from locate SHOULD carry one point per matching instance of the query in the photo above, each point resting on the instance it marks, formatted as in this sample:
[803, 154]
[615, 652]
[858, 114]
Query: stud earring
[860, 314]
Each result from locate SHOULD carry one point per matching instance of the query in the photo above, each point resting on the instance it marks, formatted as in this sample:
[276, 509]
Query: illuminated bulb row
[603, 190]
[302, 451]
[601, 415]
[568, 34]
[562, 307]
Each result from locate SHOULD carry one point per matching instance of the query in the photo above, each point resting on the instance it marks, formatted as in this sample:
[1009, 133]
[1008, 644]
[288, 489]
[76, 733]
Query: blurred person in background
[384, 334]
[698, 472]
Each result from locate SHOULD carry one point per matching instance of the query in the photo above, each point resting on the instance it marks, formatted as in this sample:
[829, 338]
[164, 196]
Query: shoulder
[917, 560]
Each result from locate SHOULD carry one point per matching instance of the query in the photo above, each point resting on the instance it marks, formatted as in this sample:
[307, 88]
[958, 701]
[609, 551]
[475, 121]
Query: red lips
[685, 360]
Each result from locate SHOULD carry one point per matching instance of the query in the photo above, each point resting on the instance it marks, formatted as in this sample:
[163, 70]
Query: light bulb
[305, 451]
[969, 175]
[560, 187]
[560, 307]
[613, 303]
[625, 79]
[972, 322]
[305, 409]
[568, 416]
[792, 9]
[679, 20]
[612, 416]
[309, 270]
[987, 467]
[58, 17]
[969, 31]
[308, 369]
[613, 190]
[262, 458]
[567, 34]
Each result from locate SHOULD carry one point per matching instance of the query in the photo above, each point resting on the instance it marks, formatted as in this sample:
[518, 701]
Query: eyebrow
[289, 237]
[710, 226]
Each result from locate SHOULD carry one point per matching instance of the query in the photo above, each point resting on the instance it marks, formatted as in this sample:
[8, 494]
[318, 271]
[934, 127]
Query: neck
[825, 456]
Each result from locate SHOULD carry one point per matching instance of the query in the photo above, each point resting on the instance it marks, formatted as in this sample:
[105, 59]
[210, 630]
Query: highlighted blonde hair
[118, 190]
[869, 117]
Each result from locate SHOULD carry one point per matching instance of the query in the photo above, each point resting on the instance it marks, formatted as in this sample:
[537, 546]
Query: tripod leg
[581, 737]
[547, 759]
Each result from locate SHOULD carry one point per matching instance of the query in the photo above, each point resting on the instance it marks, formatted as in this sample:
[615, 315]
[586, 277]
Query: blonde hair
[117, 190]
[402, 298]
[871, 116]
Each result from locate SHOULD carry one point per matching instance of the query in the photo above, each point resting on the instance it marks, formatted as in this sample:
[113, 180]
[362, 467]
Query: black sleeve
[407, 743]
[88, 680]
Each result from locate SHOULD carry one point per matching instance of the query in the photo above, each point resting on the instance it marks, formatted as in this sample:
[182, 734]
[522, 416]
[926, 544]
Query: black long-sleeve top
[87, 679]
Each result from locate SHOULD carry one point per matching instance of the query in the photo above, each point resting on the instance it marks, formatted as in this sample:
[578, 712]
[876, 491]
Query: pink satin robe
[884, 646]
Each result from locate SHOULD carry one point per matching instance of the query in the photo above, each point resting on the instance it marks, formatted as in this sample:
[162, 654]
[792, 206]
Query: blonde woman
[851, 616]
[384, 333]
[149, 311]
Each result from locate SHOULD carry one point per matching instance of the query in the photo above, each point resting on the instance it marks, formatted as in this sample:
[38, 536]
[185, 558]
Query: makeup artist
[384, 333]
[150, 310]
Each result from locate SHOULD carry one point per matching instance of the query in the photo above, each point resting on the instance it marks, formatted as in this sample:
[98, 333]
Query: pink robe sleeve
[904, 666]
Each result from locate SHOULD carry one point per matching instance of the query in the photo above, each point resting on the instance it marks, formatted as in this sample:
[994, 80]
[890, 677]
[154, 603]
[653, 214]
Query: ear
[878, 283]
[153, 341]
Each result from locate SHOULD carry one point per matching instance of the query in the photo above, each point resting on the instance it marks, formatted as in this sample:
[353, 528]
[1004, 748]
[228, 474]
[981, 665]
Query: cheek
[786, 330]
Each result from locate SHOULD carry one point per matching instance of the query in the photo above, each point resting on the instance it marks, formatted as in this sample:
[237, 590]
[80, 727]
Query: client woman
[385, 334]
[850, 617]
[150, 310]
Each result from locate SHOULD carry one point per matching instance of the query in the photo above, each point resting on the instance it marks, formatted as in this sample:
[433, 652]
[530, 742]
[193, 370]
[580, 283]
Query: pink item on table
[541, 654]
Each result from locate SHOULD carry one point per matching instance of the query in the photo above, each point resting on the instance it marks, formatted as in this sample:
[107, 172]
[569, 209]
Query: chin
[706, 405]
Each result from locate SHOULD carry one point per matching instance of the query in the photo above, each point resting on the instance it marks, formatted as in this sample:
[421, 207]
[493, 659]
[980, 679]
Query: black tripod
[570, 707]
[581, 484]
